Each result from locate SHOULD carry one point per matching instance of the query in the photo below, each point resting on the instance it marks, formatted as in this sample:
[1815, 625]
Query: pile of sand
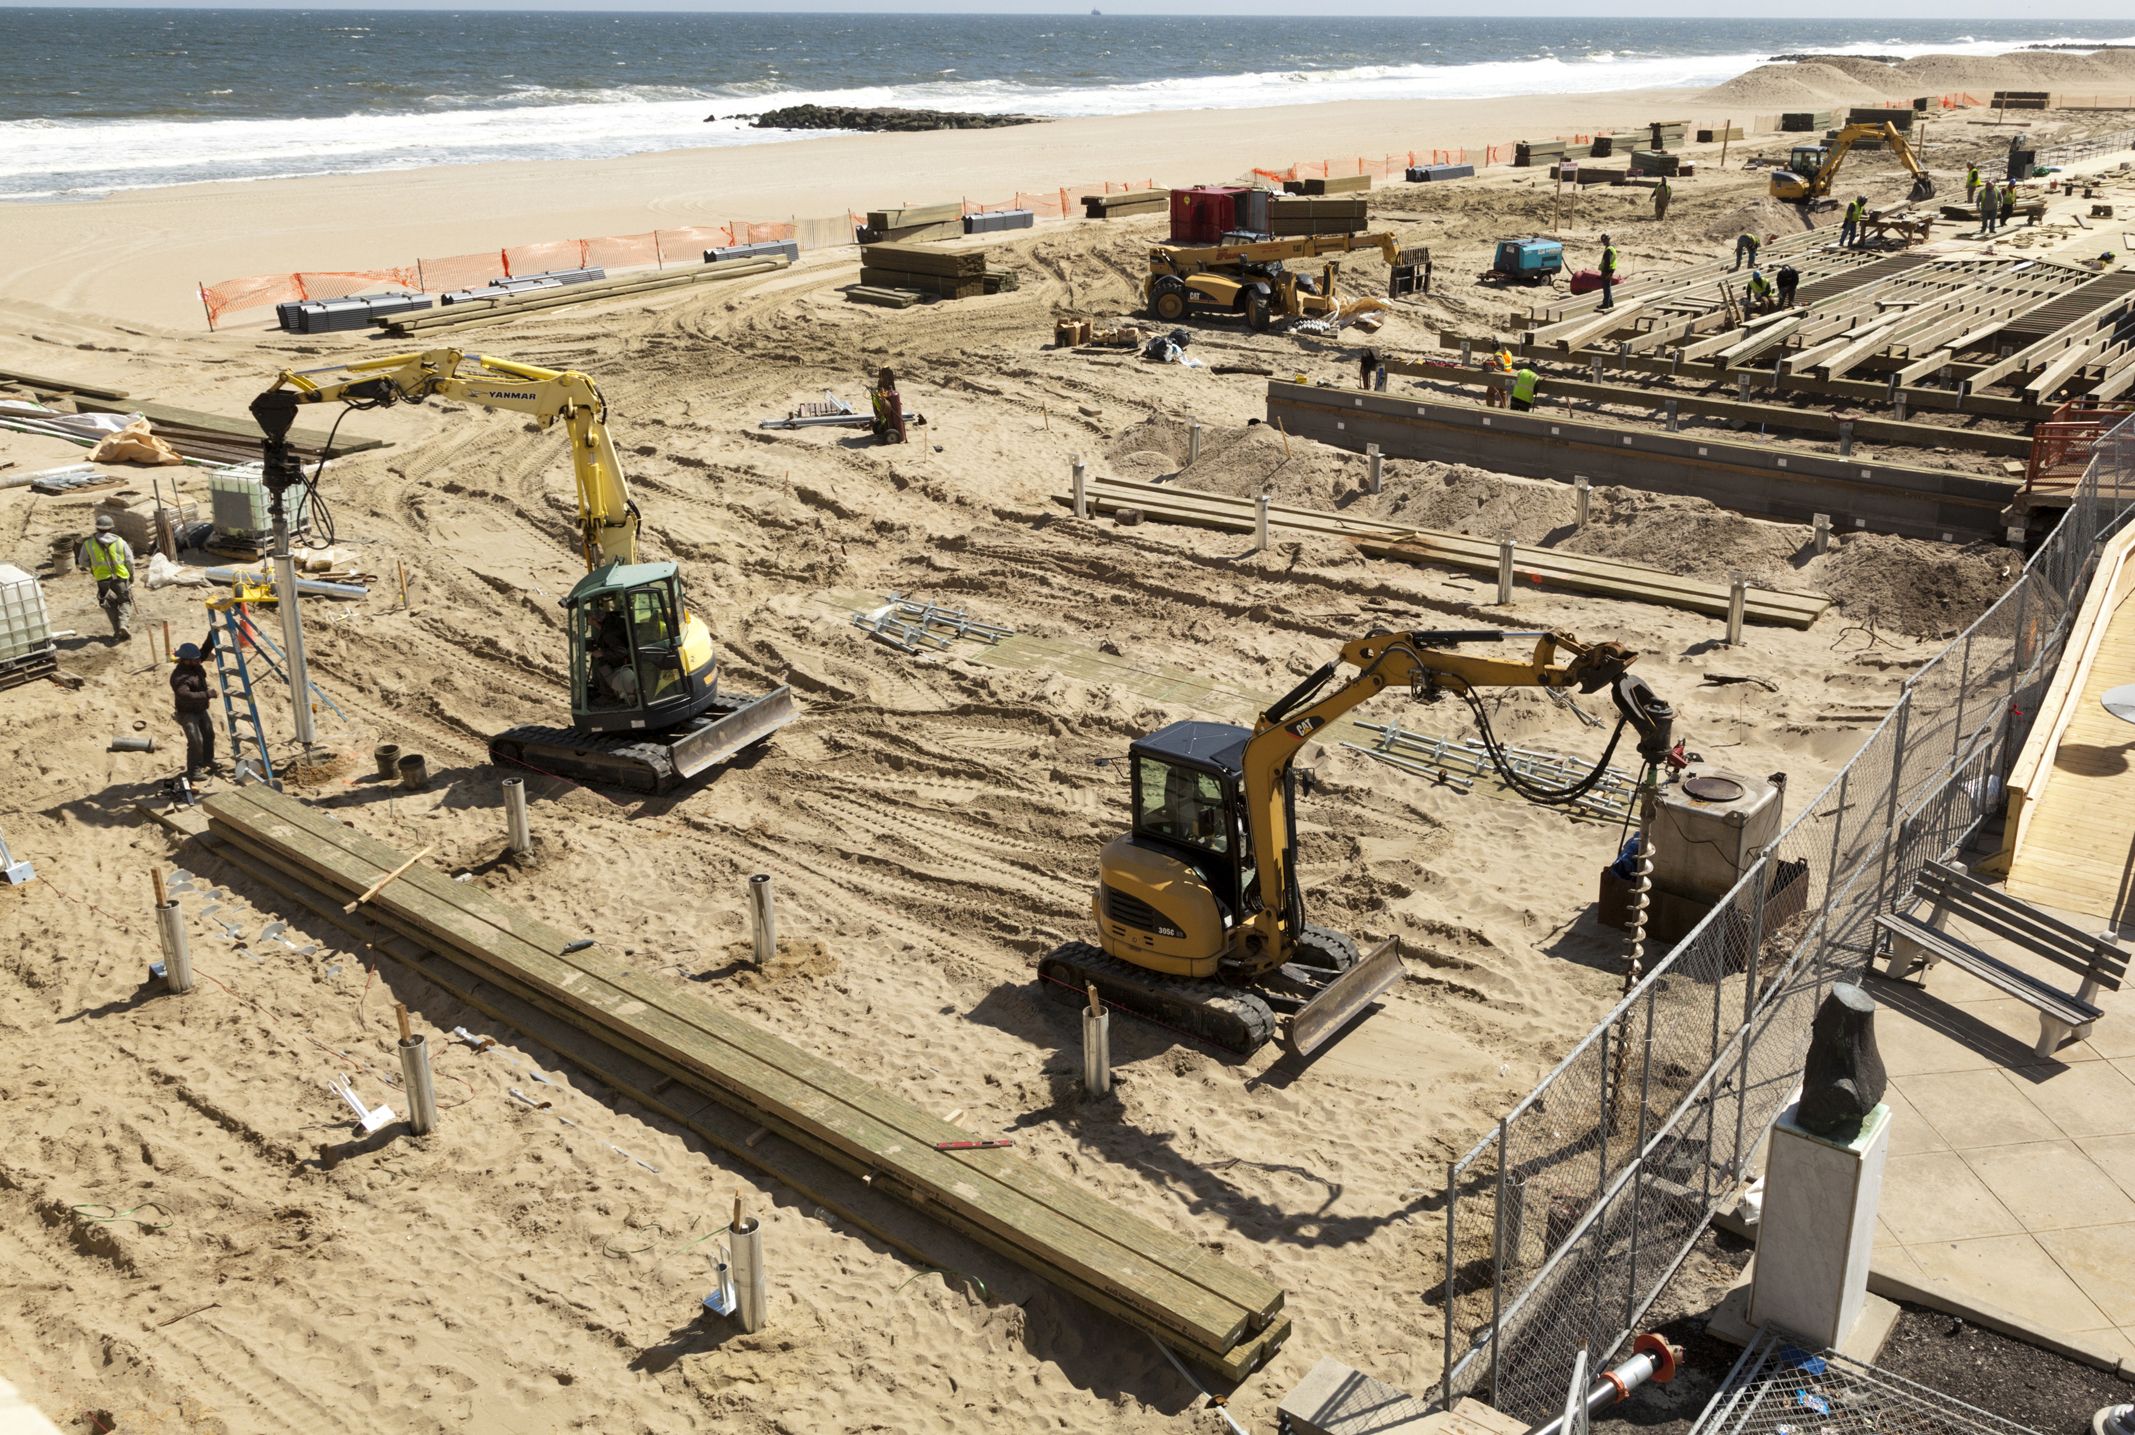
[1905, 585]
[1690, 536]
[1761, 216]
[1815, 85]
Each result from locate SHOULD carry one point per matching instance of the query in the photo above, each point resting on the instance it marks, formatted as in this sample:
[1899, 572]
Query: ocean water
[98, 100]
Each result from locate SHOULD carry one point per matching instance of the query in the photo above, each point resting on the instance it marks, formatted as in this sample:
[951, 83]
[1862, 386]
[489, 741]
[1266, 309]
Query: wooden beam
[70, 386]
[1202, 1303]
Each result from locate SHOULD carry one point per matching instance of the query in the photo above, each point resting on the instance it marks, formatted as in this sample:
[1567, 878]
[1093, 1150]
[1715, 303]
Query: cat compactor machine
[1254, 279]
[646, 707]
[1200, 920]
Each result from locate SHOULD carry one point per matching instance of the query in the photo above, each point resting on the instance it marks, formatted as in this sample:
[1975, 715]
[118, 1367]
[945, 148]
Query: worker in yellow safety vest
[1759, 290]
[1523, 390]
[109, 559]
[1662, 193]
[1849, 232]
[1971, 182]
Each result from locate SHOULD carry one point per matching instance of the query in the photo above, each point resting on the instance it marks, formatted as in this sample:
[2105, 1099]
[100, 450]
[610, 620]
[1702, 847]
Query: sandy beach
[933, 822]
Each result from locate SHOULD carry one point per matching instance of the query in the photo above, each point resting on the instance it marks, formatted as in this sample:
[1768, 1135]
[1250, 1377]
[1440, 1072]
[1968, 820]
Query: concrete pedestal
[1818, 1230]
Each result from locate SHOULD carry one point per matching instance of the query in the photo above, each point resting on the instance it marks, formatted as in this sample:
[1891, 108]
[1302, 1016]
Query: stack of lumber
[1537, 154]
[1899, 119]
[536, 301]
[883, 298]
[2021, 99]
[216, 438]
[1720, 135]
[1667, 134]
[1002, 281]
[1425, 173]
[949, 274]
[1293, 216]
[1161, 1282]
[916, 224]
[1625, 141]
[1572, 572]
[1802, 121]
[1601, 147]
[1655, 161]
[1126, 203]
[1333, 184]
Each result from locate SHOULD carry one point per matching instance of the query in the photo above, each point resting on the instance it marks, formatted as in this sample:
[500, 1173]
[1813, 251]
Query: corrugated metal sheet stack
[1000, 221]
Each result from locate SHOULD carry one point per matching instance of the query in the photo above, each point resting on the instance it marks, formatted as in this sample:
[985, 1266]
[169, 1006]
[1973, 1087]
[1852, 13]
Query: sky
[2116, 10]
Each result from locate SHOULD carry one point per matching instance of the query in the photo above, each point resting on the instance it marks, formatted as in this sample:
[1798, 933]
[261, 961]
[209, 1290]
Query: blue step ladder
[238, 702]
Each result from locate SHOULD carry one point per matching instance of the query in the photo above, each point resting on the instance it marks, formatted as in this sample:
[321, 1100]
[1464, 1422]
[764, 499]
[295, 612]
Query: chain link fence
[1564, 1223]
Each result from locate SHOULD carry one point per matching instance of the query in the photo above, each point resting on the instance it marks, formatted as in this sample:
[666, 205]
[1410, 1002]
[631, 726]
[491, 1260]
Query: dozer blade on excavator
[652, 762]
[1327, 1013]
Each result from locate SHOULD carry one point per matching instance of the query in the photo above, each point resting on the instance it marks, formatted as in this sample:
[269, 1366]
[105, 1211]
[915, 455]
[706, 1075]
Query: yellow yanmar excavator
[1253, 279]
[646, 708]
[1200, 920]
[1812, 167]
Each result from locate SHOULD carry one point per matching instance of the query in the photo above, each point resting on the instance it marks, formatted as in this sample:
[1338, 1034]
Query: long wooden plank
[1581, 572]
[242, 429]
[71, 386]
[1165, 1276]
[865, 1121]
[1584, 572]
[828, 1116]
[1452, 548]
[638, 1076]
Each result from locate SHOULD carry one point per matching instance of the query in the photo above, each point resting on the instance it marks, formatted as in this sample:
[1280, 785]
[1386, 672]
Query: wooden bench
[1922, 942]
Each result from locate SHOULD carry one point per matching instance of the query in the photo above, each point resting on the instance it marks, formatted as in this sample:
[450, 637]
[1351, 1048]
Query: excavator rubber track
[1229, 1017]
[653, 763]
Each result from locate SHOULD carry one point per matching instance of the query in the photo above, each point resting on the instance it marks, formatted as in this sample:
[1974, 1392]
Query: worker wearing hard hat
[1608, 273]
[1849, 233]
[109, 559]
[1759, 290]
[1662, 193]
[1971, 182]
[1498, 393]
[191, 697]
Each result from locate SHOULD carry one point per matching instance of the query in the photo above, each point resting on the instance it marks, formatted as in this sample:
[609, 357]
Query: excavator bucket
[1319, 1019]
[1923, 188]
[714, 742]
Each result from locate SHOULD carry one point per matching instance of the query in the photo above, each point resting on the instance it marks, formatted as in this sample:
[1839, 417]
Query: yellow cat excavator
[1812, 167]
[646, 707]
[1200, 920]
[1254, 280]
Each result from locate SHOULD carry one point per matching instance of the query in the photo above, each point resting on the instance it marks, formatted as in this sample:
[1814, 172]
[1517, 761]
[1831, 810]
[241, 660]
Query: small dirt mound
[1910, 586]
[1690, 536]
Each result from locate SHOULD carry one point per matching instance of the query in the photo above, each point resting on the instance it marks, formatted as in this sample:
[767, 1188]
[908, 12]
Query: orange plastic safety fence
[259, 290]
[540, 258]
[687, 246]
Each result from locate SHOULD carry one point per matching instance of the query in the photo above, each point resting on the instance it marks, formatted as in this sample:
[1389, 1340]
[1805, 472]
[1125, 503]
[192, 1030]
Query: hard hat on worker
[104, 523]
[1604, 239]
[188, 652]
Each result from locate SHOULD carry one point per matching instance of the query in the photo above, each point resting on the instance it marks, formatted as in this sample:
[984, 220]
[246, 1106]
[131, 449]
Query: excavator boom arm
[1417, 661]
[607, 520]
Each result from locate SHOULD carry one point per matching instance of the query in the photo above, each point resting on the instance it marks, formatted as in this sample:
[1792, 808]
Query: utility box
[1707, 831]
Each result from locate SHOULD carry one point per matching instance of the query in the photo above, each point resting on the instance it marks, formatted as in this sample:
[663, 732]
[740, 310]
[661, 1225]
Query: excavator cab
[1807, 159]
[639, 659]
[1171, 888]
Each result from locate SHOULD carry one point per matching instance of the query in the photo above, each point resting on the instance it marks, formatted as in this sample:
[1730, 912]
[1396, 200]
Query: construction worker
[1759, 292]
[191, 697]
[1971, 182]
[1849, 232]
[1608, 275]
[1494, 394]
[1662, 193]
[1990, 207]
[109, 560]
[889, 409]
[1789, 280]
[1745, 246]
[1367, 369]
[1523, 388]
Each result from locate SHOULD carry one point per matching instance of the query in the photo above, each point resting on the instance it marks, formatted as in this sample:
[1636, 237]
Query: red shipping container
[1203, 216]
